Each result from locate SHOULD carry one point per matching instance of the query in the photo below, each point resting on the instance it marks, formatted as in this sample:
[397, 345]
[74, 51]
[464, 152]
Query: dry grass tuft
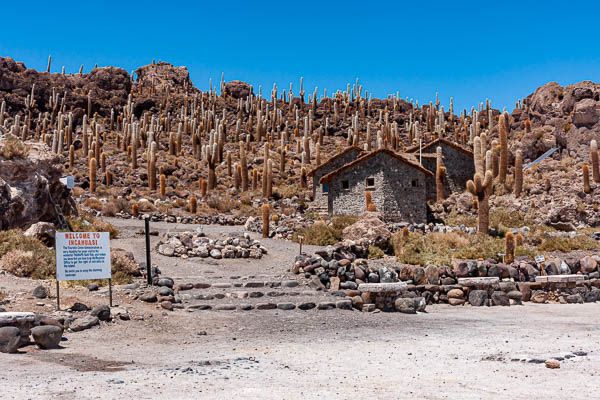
[13, 148]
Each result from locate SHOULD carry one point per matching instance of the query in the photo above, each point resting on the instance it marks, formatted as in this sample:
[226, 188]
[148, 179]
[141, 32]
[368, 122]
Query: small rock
[40, 292]
[149, 297]
[456, 294]
[92, 287]
[286, 306]
[552, 364]
[167, 305]
[307, 306]
[344, 304]
[79, 307]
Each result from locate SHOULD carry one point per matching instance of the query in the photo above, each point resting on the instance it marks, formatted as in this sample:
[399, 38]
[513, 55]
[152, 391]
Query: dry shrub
[93, 203]
[30, 264]
[440, 248]
[317, 234]
[109, 210]
[568, 244]
[122, 205]
[13, 148]
[322, 234]
[222, 203]
[38, 260]
[287, 191]
[87, 223]
[146, 206]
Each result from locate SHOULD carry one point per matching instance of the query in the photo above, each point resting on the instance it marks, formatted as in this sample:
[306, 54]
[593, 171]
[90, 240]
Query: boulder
[84, 323]
[539, 296]
[406, 305]
[370, 229]
[500, 298]
[588, 264]
[102, 312]
[47, 337]
[478, 298]
[9, 339]
[43, 231]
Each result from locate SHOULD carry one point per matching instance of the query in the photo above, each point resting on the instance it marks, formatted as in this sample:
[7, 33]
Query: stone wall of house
[459, 169]
[393, 193]
[320, 198]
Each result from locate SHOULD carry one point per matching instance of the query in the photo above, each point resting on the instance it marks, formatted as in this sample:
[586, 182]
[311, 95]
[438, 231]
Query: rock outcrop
[566, 117]
[108, 88]
[162, 74]
[238, 89]
[29, 188]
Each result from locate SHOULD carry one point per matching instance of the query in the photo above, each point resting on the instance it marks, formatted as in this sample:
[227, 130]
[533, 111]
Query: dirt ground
[448, 352]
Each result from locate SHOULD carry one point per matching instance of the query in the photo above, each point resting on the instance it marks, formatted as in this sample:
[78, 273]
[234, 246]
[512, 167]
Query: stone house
[397, 184]
[320, 191]
[457, 160]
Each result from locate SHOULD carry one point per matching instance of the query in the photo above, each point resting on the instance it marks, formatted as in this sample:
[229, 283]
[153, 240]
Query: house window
[415, 183]
[325, 188]
[345, 185]
[370, 183]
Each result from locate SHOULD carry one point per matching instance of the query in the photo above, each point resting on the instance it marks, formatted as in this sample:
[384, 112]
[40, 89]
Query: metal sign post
[148, 263]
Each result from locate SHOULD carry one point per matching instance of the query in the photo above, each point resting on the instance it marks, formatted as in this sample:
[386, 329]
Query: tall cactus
[478, 188]
[585, 169]
[265, 209]
[518, 173]
[152, 167]
[509, 247]
[594, 160]
[71, 156]
[163, 185]
[269, 192]
[503, 132]
[93, 167]
[244, 166]
[193, 204]
[440, 172]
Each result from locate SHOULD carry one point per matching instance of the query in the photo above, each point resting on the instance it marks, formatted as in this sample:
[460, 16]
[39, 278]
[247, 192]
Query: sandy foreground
[448, 352]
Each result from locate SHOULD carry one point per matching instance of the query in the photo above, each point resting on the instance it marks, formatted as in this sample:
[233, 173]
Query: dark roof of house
[401, 158]
[441, 140]
[335, 157]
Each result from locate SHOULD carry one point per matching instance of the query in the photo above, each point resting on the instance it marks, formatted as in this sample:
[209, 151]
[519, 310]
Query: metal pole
[57, 296]
[148, 263]
[110, 292]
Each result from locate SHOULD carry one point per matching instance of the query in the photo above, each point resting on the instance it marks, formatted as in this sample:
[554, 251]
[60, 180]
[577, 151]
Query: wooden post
[300, 242]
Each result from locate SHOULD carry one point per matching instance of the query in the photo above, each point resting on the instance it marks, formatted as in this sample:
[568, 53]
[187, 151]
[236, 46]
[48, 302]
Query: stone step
[480, 282]
[560, 278]
[383, 287]
[185, 286]
[343, 304]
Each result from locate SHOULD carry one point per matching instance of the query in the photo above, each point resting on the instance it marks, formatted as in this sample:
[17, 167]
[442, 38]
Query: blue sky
[467, 50]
